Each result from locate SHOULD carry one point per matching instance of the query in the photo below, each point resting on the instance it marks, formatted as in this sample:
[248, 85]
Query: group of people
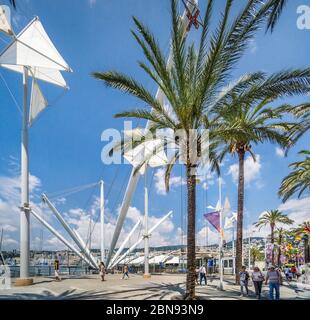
[273, 278]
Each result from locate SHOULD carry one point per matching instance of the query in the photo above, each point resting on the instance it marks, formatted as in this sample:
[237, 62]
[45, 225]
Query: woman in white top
[257, 278]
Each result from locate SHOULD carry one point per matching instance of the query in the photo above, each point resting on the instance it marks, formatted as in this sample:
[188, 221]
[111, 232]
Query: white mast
[134, 177]
[102, 233]
[146, 232]
[30, 50]
[25, 214]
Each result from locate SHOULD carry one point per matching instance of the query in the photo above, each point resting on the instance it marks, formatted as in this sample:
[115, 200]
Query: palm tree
[298, 181]
[280, 235]
[277, 7]
[304, 231]
[244, 116]
[272, 218]
[256, 254]
[190, 85]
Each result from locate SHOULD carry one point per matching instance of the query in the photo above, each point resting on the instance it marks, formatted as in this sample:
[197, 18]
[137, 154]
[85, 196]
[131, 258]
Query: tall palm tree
[272, 218]
[256, 254]
[244, 116]
[190, 85]
[280, 235]
[304, 231]
[298, 181]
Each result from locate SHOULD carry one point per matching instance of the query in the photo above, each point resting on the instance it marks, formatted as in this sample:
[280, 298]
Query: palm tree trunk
[191, 232]
[272, 241]
[239, 243]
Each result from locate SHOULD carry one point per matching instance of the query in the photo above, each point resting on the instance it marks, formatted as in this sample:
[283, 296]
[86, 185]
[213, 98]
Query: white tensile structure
[134, 177]
[32, 54]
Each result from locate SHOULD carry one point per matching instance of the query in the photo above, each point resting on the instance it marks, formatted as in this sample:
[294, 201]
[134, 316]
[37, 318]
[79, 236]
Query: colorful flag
[214, 219]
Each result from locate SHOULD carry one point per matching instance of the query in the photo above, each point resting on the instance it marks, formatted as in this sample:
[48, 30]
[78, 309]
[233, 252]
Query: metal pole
[141, 239]
[60, 237]
[120, 249]
[102, 233]
[68, 229]
[249, 250]
[146, 232]
[221, 237]
[233, 248]
[25, 211]
[134, 177]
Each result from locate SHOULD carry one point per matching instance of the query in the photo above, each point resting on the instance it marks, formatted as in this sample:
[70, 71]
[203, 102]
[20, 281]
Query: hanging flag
[37, 103]
[214, 219]
[229, 221]
[32, 47]
[5, 18]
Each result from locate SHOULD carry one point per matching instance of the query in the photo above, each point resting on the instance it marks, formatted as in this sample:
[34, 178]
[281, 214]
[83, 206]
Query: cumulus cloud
[252, 170]
[159, 178]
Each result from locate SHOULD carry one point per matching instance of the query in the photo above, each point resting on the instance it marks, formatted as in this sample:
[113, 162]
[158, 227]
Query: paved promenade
[158, 287]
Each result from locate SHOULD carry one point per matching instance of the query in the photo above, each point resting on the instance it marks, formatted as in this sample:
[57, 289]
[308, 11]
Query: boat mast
[102, 231]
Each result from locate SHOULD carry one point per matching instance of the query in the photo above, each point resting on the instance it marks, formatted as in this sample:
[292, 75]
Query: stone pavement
[159, 287]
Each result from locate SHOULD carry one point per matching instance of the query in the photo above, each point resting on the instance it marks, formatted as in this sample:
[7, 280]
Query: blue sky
[65, 144]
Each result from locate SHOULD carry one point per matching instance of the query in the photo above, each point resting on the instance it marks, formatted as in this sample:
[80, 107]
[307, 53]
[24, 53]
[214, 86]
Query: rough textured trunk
[191, 232]
[279, 251]
[307, 251]
[272, 241]
[239, 243]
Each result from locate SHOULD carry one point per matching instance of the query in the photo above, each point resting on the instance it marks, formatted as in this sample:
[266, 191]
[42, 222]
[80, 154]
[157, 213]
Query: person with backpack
[258, 279]
[244, 281]
[275, 280]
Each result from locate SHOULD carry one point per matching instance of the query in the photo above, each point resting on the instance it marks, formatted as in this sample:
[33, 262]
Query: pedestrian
[244, 280]
[294, 270]
[258, 279]
[125, 272]
[197, 275]
[275, 280]
[203, 276]
[102, 270]
[56, 269]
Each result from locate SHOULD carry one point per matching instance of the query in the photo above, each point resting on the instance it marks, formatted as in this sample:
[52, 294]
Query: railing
[48, 270]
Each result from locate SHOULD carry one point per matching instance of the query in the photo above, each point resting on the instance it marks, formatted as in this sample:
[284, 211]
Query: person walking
[258, 279]
[125, 272]
[244, 280]
[202, 272]
[102, 270]
[56, 269]
[275, 280]
[197, 273]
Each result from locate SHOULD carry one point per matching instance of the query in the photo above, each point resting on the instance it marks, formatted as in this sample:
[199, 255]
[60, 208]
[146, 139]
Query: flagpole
[221, 237]
[25, 210]
[102, 244]
[146, 231]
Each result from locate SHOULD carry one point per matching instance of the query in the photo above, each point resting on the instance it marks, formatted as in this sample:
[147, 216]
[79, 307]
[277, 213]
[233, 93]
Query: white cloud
[251, 170]
[297, 210]
[280, 152]
[160, 181]
[253, 46]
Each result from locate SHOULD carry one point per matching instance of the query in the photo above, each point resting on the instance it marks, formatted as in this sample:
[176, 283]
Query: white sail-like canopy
[151, 152]
[5, 17]
[37, 103]
[32, 47]
[52, 76]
